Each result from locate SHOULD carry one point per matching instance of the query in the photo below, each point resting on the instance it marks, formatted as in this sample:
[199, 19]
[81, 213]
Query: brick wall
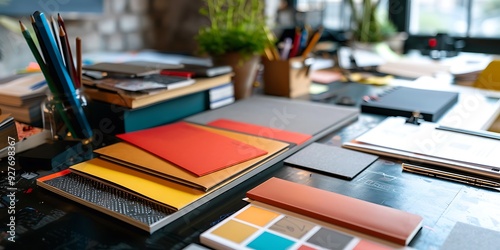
[125, 25]
[165, 25]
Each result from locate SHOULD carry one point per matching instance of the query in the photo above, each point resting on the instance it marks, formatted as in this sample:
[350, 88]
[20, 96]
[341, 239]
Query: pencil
[76, 113]
[78, 62]
[71, 68]
[314, 40]
[65, 52]
[54, 31]
[296, 43]
[46, 73]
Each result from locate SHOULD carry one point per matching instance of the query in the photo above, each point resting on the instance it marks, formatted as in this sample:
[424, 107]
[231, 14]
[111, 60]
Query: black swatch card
[337, 161]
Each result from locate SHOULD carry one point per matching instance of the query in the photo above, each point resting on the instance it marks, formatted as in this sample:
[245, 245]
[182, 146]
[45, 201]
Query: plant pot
[245, 71]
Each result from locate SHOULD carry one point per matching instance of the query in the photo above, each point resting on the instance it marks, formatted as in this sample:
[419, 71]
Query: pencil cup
[288, 78]
[58, 117]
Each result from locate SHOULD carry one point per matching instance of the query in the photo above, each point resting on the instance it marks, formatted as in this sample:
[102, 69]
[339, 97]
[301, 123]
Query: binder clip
[415, 118]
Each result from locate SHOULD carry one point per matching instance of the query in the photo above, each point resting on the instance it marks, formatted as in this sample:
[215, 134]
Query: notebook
[403, 101]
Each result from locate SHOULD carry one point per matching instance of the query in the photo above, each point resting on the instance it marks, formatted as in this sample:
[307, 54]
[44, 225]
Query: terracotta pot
[245, 71]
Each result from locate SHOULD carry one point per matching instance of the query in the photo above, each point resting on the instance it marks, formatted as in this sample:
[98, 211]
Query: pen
[38, 85]
[475, 181]
[485, 134]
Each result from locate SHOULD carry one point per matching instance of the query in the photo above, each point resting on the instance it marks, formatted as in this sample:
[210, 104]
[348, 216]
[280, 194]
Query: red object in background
[432, 42]
[186, 74]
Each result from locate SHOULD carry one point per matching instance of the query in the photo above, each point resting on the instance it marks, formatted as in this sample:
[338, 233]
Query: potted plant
[369, 25]
[237, 36]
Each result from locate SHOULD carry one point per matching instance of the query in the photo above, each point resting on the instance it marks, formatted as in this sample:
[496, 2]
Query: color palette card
[264, 131]
[194, 149]
[263, 227]
[337, 161]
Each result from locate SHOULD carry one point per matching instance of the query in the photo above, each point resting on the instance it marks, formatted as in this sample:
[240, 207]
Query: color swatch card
[168, 193]
[258, 227]
[368, 218]
[264, 131]
[466, 236]
[196, 150]
[337, 161]
[137, 158]
[292, 115]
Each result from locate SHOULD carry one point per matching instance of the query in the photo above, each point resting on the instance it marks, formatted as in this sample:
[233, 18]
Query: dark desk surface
[47, 221]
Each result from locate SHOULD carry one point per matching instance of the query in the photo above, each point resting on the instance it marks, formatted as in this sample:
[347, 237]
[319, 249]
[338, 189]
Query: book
[427, 143]
[332, 160]
[134, 100]
[122, 69]
[16, 91]
[180, 141]
[125, 120]
[384, 222]
[204, 70]
[30, 112]
[149, 84]
[139, 159]
[403, 101]
[8, 131]
[221, 95]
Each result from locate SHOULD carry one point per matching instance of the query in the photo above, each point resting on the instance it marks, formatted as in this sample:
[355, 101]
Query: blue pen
[63, 77]
[38, 85]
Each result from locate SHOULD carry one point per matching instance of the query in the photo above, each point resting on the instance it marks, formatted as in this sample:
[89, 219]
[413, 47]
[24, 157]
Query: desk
[47, 221]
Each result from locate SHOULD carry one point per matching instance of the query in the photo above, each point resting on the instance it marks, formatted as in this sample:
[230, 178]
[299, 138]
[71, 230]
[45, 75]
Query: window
[464, 18]
[475, 22]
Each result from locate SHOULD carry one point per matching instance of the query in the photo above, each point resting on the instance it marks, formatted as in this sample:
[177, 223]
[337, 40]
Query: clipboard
[424, 142]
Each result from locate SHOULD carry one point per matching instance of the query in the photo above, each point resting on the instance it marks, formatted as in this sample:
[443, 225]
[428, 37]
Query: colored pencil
[71, 68]
[46, 74]
[79, 62]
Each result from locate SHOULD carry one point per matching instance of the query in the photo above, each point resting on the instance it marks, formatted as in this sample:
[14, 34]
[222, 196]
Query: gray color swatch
[333, 160]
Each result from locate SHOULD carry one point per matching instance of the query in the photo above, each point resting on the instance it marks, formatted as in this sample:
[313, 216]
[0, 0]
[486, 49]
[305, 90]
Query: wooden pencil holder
[288, 78]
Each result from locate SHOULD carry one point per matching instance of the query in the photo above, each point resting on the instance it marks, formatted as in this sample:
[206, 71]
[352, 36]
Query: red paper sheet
[196, 150]
[262, 131]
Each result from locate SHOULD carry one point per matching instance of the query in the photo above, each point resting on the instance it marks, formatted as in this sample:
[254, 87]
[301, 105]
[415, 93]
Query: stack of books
[135, 110]
[22, 96]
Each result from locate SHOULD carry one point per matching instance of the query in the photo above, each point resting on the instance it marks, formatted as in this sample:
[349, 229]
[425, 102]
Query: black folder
[403, 101]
